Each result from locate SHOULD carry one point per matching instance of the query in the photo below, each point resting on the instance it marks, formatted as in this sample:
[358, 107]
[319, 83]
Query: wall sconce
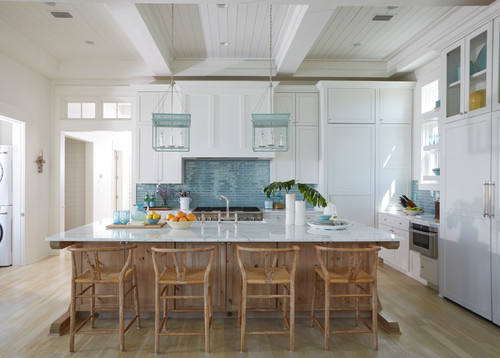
[40, 161]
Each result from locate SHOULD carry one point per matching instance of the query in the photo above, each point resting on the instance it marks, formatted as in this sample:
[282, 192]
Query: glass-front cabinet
[468, 73]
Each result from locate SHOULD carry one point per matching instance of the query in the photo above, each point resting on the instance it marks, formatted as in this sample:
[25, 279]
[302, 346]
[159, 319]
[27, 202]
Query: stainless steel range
[244, 213]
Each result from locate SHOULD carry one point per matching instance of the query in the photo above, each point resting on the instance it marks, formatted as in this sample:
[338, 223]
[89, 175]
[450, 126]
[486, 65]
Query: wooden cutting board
[147, 226]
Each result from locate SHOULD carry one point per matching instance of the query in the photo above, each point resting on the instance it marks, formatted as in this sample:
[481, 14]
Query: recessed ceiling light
[382, 17]
[90, 43]
[50, 3]
[61, 14]
[222, 6]
[357, 44]
[224, 43]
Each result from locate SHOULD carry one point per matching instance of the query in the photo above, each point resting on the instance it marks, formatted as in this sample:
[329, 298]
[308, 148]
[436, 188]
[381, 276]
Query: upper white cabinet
[301, 161]
[467, 75]
[351, 105]
[396, 105]
[495, 103]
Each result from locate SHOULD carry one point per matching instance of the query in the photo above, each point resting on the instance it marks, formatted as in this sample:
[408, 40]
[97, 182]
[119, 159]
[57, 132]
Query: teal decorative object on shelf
[481, 59]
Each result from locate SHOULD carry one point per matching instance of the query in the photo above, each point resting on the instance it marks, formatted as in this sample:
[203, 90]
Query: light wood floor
[31, 297]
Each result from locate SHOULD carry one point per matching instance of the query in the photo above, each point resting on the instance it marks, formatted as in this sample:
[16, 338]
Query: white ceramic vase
[300, 213]
[290, 209]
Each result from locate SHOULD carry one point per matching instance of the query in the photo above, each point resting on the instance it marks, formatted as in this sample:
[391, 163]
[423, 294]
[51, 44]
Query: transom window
[97, 109]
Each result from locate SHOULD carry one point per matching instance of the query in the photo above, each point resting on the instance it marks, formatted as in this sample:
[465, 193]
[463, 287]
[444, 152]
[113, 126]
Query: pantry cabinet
[467, 76]
[366, 144]
[301, 161]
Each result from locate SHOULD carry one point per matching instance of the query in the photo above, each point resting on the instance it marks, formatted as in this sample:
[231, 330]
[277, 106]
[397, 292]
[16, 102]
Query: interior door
[466, 232]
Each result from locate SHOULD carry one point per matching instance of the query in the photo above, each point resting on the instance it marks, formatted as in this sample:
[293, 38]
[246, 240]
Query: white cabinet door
[284, 162]
[201, 121]
[386, 254]
[394, 164]
[306, 109]
[306, 154]
[401, 255]
[395, 105]
[351, 105]
[495, 221]
[351, 170]
[285, 103]
[148, 158]
[156, 102]
[414, 264]
[465, 249]
[170, 168]
[429, 270]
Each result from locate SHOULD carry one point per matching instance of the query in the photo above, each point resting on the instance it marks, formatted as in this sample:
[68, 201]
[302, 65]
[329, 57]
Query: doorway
[13, 133]
[97, 178]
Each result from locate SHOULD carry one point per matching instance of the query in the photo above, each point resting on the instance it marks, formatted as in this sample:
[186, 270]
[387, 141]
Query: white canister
[300, 213]
[184, 201]
[290, 209]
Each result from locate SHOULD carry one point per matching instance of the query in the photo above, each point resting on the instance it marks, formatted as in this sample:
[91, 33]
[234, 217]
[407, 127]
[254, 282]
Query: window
[430, 94]
[78, 110]
[116, 110]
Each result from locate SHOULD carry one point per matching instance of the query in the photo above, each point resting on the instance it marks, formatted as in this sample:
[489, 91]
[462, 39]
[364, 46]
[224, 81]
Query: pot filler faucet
[227, 205]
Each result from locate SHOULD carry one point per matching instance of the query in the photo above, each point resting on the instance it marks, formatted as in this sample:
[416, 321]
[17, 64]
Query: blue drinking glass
[116, 217]
[125, 218]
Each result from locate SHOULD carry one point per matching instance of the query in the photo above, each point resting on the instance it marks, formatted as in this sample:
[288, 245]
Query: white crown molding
[222, 67]
[343, 69]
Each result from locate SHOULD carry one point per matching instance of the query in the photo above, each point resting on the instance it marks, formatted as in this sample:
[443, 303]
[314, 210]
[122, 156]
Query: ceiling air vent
[61, 14]
[382, 17]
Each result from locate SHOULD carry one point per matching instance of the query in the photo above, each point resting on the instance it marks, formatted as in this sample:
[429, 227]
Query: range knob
[245, 218]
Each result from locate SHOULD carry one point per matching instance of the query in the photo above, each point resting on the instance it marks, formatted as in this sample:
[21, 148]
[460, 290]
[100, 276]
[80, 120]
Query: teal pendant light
[270, 131]
[171, 131]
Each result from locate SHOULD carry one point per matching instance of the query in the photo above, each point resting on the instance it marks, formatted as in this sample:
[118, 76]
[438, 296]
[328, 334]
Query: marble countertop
[225, 232]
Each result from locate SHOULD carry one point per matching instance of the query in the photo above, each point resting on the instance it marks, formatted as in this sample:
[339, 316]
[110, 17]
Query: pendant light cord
[172, 59]
[271, 56]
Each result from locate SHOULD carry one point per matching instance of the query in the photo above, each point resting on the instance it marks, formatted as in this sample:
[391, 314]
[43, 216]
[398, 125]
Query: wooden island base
[226, 275]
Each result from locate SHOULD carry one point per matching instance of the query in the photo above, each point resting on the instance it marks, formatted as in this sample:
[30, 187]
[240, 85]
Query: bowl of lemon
[180, 220]
[153, 218]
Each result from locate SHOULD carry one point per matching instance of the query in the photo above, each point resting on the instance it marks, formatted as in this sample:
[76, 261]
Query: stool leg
[243, 315]
[165, 308]
[375, 316]
[72, 318]
[327, 314]
[92, 305]
[285, 324]
[239, 302]
[313, 302]
[136, 299]
[211, 314]
[206, 312]
[356, 307]
[157, 318]
[292, 316]
[121, 303]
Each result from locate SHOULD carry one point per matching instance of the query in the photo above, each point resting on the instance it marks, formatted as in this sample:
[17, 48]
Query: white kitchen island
[225, 237]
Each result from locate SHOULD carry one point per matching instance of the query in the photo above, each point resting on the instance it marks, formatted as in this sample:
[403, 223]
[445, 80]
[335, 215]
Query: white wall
[5, 132]
[25, 96]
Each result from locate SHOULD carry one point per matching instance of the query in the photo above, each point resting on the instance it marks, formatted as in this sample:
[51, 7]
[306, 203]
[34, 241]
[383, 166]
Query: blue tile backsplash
[241, 180]
[424, 198]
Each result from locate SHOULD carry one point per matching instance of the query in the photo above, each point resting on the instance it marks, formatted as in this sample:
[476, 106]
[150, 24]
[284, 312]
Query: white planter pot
[300, 213]
[290, 209]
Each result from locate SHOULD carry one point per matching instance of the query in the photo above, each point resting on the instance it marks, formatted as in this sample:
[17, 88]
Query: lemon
[149, 216]
[156, 216]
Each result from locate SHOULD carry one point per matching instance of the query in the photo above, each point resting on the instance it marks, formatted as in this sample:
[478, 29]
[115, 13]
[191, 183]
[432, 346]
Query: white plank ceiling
[136, 36]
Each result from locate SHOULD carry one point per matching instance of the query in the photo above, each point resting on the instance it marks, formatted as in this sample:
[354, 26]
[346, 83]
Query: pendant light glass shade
[171, 132]
[270, 132]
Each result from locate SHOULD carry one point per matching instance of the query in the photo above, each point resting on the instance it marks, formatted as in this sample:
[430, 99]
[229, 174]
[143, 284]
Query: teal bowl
[153, 221]
[323, 217]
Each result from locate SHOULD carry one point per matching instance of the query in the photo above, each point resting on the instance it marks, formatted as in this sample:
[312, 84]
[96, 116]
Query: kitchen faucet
[227, 205]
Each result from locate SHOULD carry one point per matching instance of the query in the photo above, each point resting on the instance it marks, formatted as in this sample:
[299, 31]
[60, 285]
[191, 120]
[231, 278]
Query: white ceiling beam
[305, 24]
[130, 21]
[344, 69]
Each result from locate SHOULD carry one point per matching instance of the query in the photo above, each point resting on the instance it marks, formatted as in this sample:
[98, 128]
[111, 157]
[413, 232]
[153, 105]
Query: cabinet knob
[461, 113]
[381, 119]
[465, 112]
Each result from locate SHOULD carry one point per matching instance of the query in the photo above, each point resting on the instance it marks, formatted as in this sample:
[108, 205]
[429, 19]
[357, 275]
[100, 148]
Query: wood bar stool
[357, 270]
[94, 273]
[181, 275]
[270, 274]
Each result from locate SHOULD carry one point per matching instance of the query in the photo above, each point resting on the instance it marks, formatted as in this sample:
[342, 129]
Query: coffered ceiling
[126, 39]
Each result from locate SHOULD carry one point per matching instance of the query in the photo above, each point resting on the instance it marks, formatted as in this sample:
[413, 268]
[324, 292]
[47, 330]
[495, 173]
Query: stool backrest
[271, 257]
[90, 256]
[180, 266]
[356, 258]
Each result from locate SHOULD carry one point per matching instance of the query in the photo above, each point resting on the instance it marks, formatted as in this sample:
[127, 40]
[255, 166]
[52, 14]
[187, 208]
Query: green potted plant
[311, 195]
